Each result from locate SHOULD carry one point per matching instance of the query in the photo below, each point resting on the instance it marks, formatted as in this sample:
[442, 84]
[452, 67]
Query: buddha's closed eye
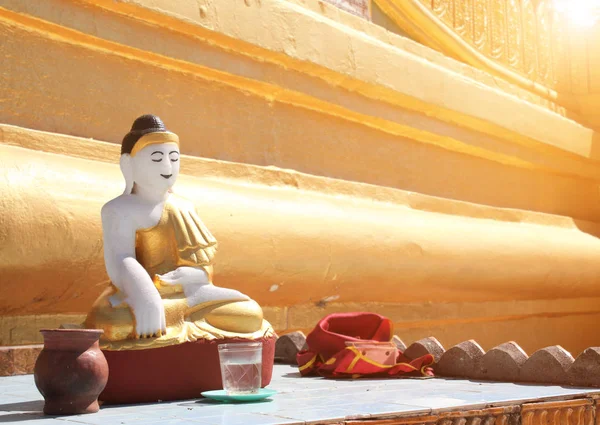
[156, 156]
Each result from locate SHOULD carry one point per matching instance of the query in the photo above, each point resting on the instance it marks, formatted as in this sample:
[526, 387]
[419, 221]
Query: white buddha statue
[159, 254]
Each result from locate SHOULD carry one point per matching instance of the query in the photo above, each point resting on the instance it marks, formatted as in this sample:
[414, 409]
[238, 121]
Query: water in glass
[241, 367]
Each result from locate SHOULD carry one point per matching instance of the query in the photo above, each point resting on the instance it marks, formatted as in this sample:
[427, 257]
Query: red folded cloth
[328, 355]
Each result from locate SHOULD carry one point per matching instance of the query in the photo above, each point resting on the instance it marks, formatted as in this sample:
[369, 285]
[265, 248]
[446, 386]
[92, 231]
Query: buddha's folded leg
[236, 316]
[199, 294]
[116, 322]
[239, 316]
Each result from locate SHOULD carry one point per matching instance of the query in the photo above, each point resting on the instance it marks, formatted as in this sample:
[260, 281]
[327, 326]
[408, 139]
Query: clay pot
[71, 371]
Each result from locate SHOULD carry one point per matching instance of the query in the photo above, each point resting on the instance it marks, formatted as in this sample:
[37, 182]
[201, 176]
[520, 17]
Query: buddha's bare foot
[154, 335]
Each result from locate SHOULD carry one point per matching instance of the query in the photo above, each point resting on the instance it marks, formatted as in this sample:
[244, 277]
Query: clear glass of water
[241, 367]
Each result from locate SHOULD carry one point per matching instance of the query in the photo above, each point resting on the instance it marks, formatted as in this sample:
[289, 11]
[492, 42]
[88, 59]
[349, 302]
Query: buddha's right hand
[149, 313]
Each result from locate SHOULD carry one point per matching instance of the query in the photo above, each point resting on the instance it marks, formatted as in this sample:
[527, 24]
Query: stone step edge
[506, 362]
[18, 359]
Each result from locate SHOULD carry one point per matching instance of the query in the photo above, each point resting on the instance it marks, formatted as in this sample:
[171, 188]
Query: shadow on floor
[291, 375]
[24, 406]
[208, 402]
[32, 410]
[20, 417]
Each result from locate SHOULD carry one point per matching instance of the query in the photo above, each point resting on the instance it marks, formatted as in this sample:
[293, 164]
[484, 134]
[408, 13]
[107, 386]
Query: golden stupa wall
[587, 95]
[340, 166]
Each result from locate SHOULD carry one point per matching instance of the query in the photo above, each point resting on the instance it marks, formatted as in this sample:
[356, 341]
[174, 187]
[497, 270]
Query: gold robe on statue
[178, 239]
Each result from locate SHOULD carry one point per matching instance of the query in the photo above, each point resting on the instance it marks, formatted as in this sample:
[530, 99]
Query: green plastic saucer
[221, 395]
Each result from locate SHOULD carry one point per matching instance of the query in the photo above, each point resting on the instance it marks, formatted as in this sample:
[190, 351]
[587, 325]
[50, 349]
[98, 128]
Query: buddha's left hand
[185, 276]
[198, 288]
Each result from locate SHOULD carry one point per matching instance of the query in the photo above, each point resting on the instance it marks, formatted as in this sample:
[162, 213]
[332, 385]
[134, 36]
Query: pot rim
[80, 331]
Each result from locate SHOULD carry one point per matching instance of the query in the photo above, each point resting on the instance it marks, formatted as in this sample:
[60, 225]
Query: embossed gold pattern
[444, 9]
[463, 17]
[515, 33]
[498, 30]
[480, 35]
[523, 41]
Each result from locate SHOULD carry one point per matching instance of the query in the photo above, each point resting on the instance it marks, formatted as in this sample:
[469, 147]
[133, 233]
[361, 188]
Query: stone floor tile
[354, 409]
[438, 403]
[24, 394]
[227, 410]
[104, 412]
[247, 419]
[17, 378]
[311, 415]
[317, 402]
[18, 404]
[211, 408]
[94, 419]
[172, 422]
[9, 386]
[28, 418]
[382, 409]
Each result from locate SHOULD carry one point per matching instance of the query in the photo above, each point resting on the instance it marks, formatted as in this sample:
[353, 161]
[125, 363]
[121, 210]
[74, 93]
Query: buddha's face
[156, 167]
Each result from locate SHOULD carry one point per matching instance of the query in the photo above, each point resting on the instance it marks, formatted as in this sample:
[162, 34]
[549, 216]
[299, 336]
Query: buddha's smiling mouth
[166, 176]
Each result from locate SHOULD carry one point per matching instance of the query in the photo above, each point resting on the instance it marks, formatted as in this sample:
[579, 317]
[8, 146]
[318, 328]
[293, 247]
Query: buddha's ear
[127, 170]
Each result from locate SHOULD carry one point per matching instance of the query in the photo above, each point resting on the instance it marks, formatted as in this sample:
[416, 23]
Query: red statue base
[177, 372]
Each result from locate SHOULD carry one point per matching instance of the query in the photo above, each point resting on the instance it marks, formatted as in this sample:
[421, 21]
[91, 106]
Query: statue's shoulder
[181, 203]
[121, 207]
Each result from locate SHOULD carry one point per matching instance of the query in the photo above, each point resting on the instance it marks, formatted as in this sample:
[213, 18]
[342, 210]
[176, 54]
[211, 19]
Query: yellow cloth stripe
[309, 364]
[154, 139]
